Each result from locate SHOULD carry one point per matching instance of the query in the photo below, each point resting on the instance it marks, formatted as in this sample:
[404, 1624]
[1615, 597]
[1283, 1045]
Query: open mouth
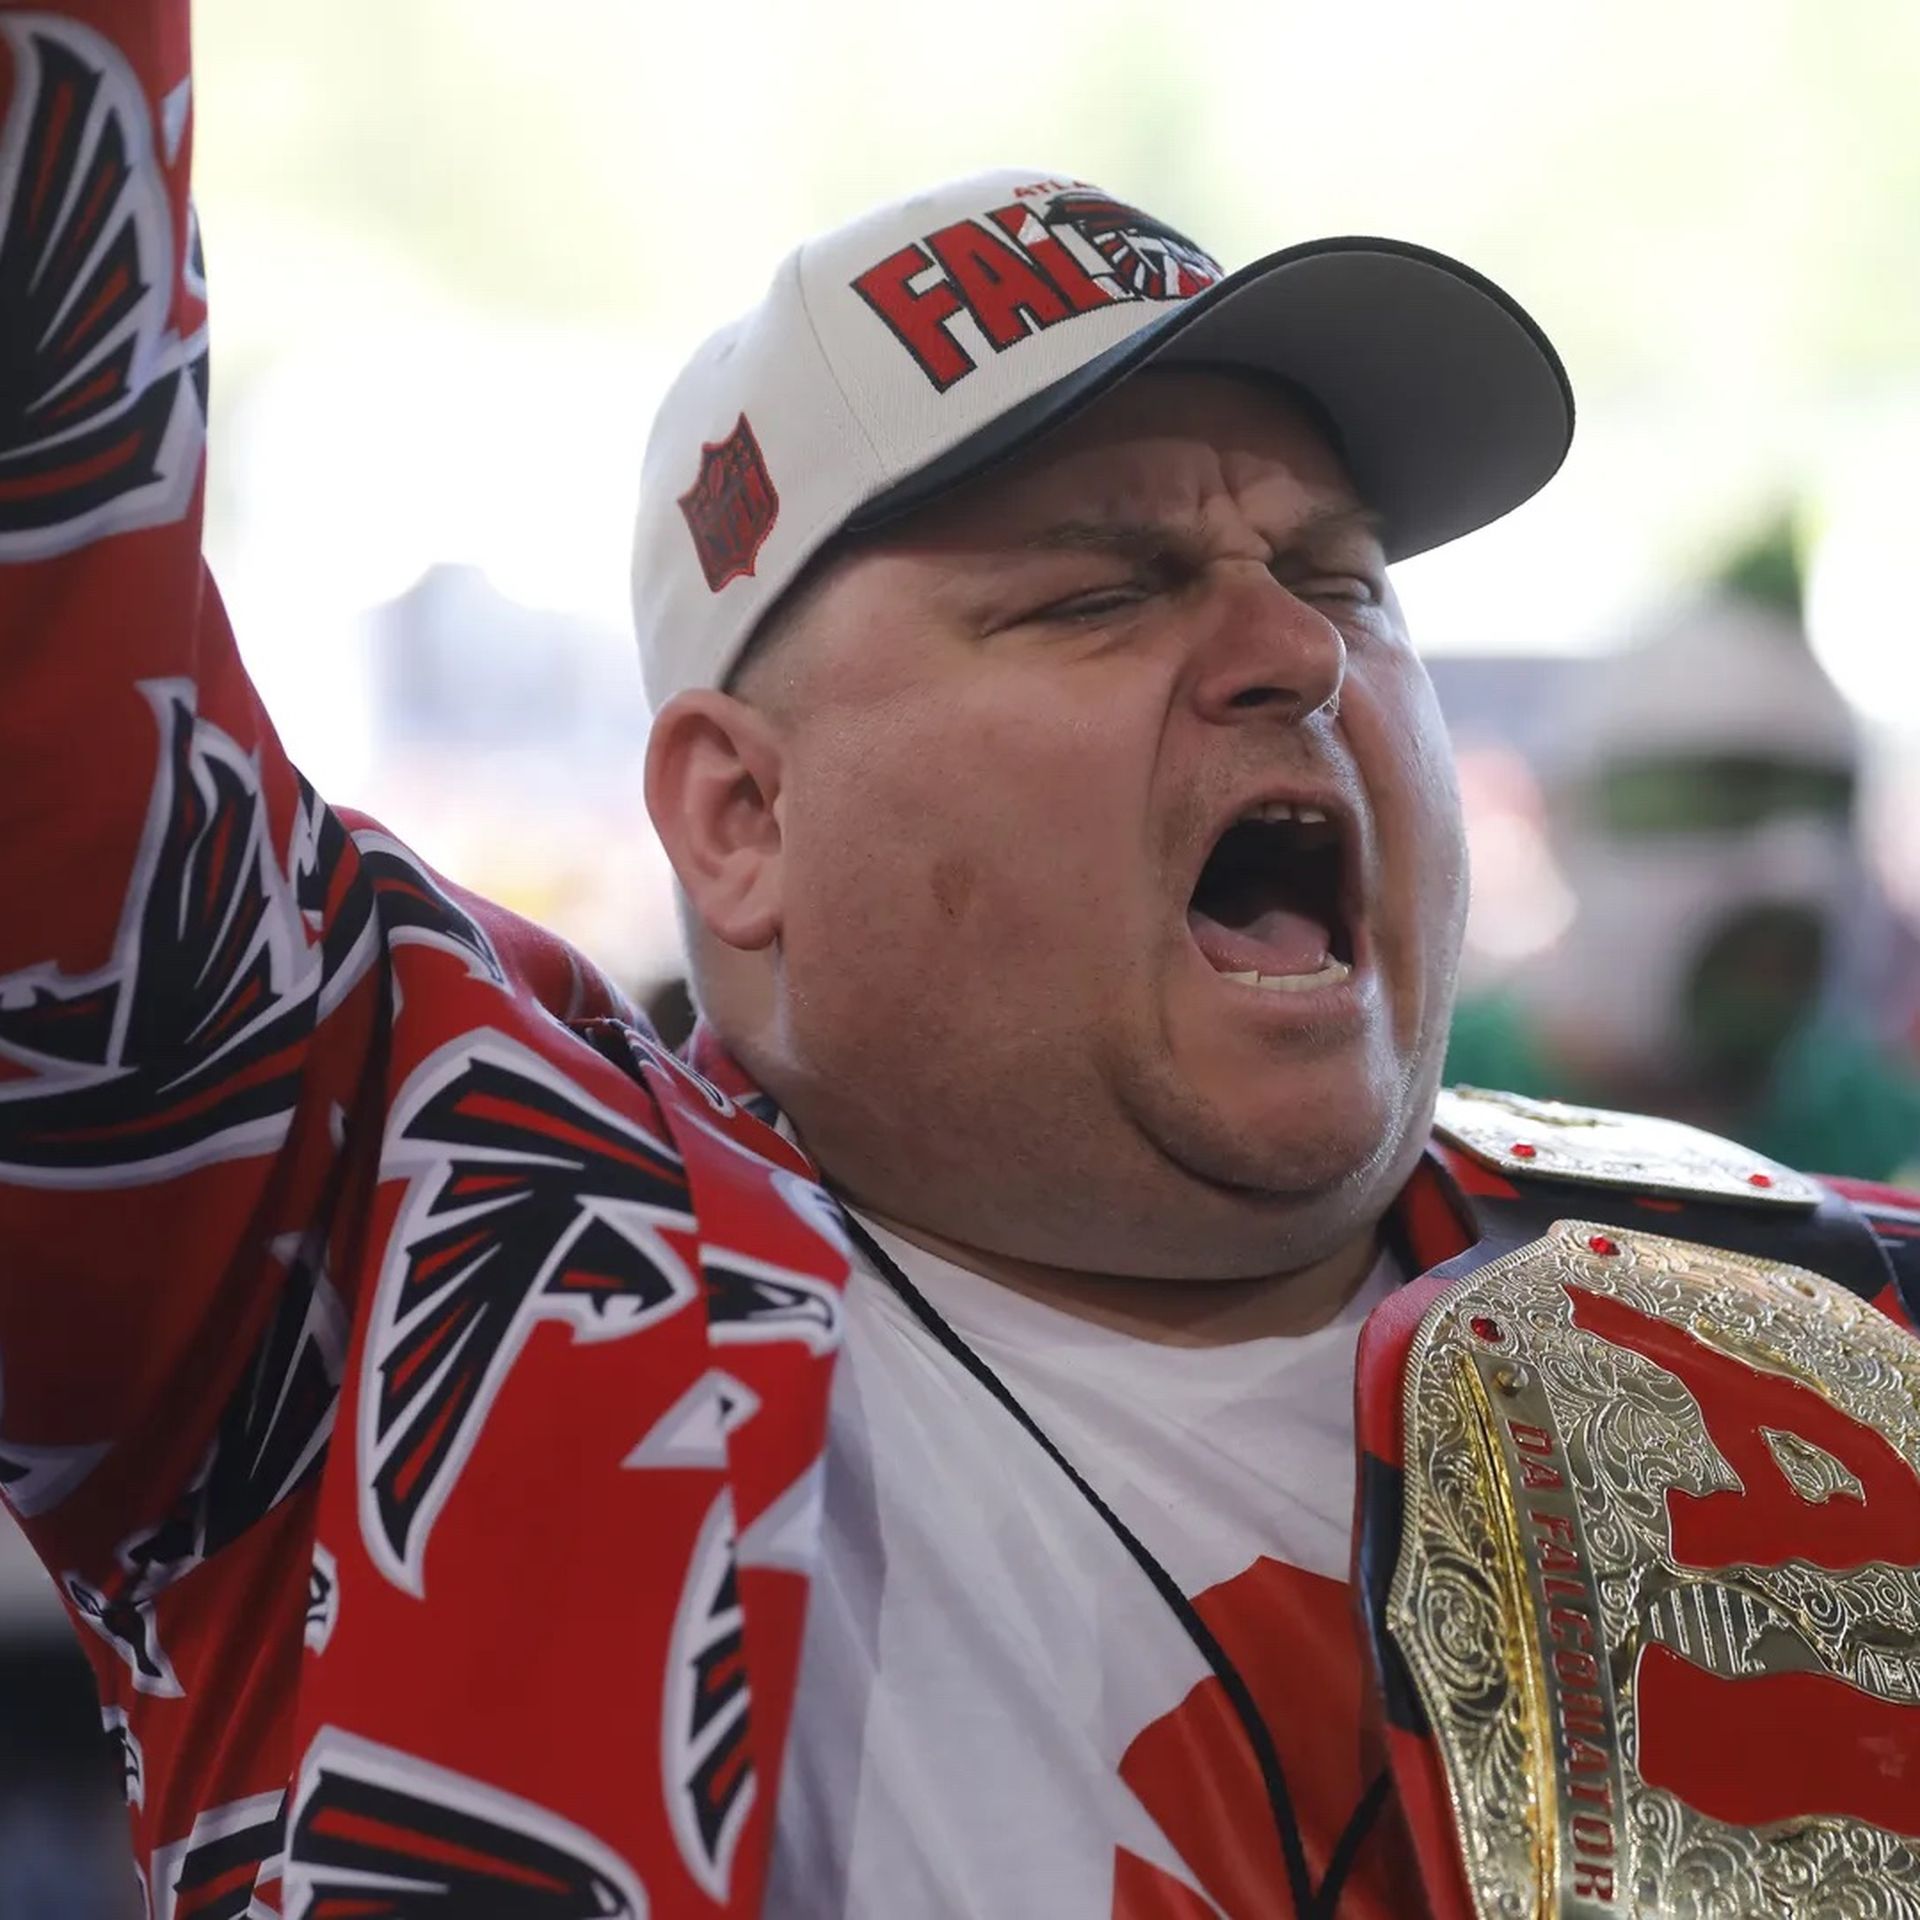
[1267, 910]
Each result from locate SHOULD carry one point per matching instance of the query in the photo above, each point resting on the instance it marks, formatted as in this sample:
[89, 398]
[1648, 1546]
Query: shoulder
[1519, 1160]
[1533, 1139]
[418, 906]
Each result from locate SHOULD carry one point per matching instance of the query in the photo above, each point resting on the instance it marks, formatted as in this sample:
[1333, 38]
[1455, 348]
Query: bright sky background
[457, 247]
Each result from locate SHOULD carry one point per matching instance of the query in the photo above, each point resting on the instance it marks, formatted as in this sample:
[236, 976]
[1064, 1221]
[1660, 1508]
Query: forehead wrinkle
[1139, 540]
[1151, 541]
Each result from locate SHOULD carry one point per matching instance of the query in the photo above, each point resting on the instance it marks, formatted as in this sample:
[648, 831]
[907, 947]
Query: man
[1728, 953]
[423, 1386]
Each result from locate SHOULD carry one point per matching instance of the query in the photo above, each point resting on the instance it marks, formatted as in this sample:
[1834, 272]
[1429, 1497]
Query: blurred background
[457, 247]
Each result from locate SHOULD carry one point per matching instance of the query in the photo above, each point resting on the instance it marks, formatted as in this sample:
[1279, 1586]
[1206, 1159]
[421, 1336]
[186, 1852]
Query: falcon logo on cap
[731, 506]
[1150, 260]
[1057, 251]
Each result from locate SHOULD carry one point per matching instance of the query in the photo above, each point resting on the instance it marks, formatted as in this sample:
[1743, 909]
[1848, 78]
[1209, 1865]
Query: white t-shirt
[998, 1716]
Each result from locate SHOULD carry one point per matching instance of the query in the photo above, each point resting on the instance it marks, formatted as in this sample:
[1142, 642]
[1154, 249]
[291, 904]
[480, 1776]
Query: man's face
[1017, 733]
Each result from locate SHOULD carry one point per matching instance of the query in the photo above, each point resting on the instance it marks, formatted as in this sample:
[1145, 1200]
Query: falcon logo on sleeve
[273, 1434]
[527, 1202]
[416, 911]
[378, 1835]
[229, 1854]
[132, 1757]
[323, 1600]
[186, 1046]
[125, 1622]
[706, 1764]
[102, 410]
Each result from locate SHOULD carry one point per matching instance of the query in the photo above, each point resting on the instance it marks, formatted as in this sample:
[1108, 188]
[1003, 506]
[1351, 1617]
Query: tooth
[1272, 810]
[1311, 813]
[1331, 975]
[1249, 978]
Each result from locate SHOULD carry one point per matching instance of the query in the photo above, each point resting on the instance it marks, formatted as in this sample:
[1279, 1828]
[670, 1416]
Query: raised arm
[188, 999]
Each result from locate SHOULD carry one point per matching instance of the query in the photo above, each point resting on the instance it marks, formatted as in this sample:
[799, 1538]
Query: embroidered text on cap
[1067, 250]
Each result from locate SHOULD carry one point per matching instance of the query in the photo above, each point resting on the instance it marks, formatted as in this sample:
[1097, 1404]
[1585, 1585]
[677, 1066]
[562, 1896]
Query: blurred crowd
[1678, 911]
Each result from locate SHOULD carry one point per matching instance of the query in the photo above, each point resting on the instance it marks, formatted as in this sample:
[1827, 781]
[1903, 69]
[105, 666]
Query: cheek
[939, 835]
[1417, 808]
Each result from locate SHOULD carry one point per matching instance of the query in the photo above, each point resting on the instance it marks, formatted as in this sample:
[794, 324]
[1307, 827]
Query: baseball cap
[915, 347]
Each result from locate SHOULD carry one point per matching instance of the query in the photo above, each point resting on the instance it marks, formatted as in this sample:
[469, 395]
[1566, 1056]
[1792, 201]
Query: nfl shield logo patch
[731, 507]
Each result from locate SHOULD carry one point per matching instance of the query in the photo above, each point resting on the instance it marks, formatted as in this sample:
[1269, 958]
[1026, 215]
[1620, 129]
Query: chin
[1298, 1136]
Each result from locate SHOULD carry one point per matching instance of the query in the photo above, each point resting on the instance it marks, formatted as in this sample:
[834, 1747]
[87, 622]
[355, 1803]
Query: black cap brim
[1450, 404]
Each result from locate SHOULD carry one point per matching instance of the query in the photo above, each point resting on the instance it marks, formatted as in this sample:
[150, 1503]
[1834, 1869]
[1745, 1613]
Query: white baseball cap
[907, 351]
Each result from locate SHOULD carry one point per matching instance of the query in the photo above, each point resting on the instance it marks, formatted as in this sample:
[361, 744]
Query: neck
[1174, 1313]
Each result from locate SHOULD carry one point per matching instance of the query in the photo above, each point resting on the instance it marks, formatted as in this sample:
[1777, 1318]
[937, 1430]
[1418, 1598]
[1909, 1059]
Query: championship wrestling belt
[1640, 1533]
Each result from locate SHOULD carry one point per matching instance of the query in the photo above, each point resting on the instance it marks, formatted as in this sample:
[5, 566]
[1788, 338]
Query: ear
[713, 786]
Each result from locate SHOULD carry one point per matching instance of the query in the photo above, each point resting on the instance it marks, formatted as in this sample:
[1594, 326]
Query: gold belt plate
[1659, 1582]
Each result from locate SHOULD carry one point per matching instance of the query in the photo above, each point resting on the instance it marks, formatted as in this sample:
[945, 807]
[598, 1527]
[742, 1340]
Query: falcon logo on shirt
[186, 1046]
[102, 403]
[527, 1201]
[379, 1835]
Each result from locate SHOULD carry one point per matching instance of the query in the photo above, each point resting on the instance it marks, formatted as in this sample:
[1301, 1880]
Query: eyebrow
[1160, 542]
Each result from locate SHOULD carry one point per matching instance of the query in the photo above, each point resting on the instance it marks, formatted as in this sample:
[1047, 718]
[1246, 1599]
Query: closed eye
[1358, 588]
[1092, 606]
[1333, 588]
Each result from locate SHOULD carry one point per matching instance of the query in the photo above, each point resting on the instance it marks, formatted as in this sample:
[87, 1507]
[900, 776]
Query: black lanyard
[1308, 1903]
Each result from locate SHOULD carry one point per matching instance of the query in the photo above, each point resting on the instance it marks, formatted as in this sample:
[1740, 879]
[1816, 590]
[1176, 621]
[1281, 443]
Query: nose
[1266, 649]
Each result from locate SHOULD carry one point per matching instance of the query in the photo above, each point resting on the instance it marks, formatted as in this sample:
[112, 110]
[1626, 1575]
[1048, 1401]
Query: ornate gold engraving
[1517, 1135]
[1812, 1472]
[1559, 1578]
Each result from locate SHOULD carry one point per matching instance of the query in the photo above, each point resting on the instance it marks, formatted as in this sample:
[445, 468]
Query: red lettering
[1001, 286]
[1592, 1882]
[1582, 1713]
[1052, 256]
[1584, 1757]
[1766, 1523]
[1553, 1584]
[1574, 1668]
[1536, 1473]
[1816, 1744]
[918, 320]
[1597, 1793]
[1530, 1439]
[1592, 1833]
[1580, 1632]
[1558, 1558]
[1558, 1525]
